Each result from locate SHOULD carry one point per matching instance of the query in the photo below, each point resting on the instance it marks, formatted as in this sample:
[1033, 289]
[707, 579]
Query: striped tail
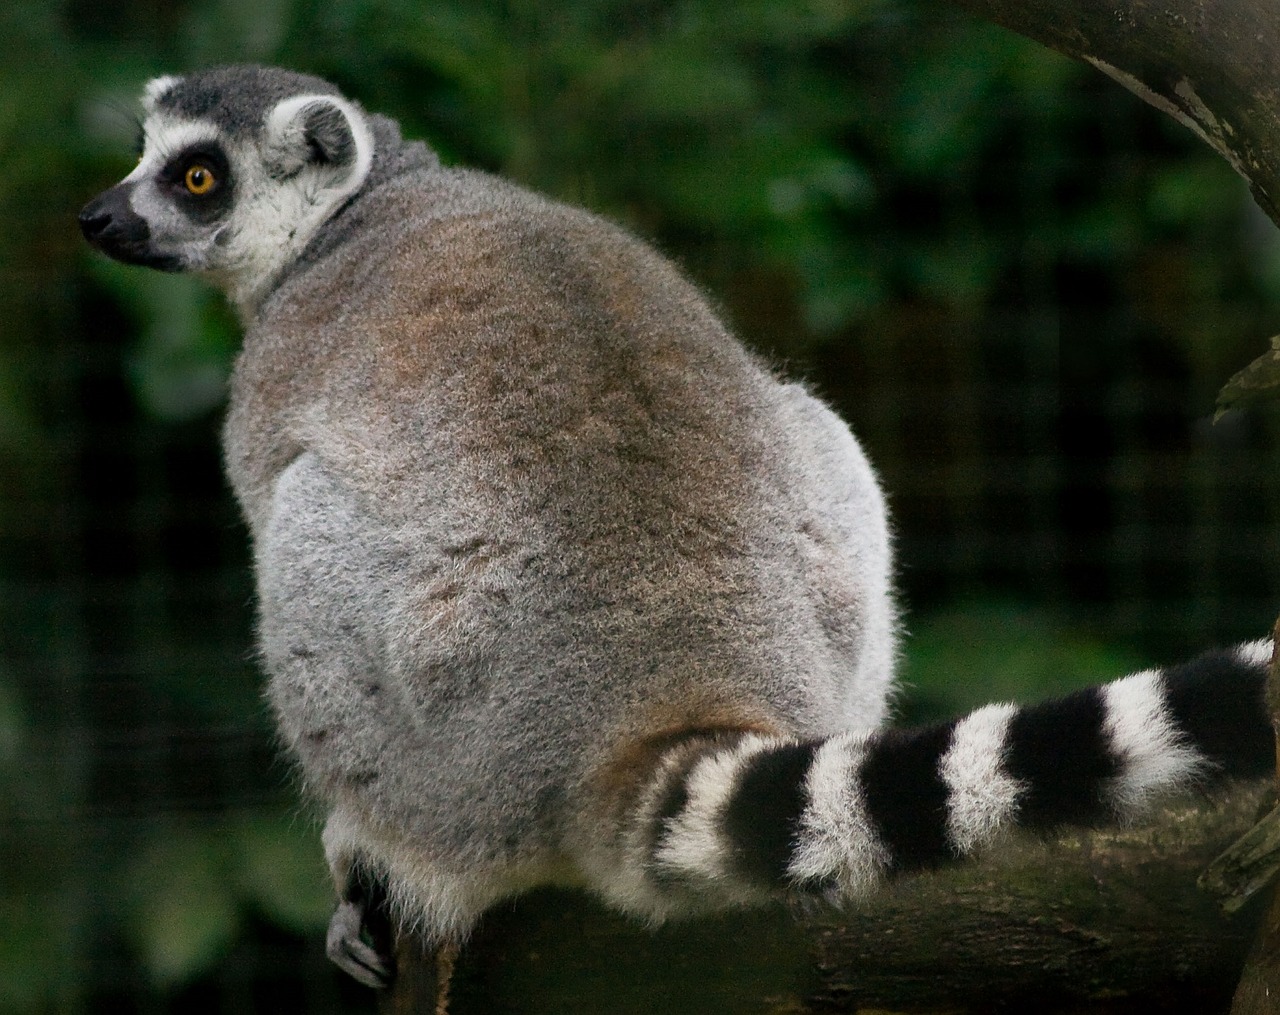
[752, 815]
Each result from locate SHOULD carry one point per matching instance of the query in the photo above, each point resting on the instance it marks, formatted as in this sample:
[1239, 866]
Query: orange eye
[199, 179]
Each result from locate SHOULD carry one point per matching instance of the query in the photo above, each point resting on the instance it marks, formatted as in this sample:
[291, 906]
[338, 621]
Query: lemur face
[175, 210]
[236, 197]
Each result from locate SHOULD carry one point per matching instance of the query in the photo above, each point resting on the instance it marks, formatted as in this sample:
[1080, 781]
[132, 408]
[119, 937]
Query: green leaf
[184, 914]
[1258, 382]
[180, 366]
[32, 953]
[13, 724]
[997, 651]
[281, 871]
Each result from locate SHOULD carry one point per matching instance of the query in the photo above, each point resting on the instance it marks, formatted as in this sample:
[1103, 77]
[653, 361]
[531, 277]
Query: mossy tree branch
[1113, 915]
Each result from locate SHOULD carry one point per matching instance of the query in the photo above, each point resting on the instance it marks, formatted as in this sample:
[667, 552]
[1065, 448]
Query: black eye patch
[213, 168]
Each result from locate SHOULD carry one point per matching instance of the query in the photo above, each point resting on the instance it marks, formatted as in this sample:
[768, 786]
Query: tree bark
[1258, 992]
[1211, 64]
[1103, 915]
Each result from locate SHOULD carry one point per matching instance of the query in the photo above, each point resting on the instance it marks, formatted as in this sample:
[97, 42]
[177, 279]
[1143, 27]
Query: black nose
[94, 220]
[118, 231]
[106, 217]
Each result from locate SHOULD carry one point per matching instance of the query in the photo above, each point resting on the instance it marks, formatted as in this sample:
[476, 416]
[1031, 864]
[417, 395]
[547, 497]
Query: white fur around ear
[321, 130]
[155, 90]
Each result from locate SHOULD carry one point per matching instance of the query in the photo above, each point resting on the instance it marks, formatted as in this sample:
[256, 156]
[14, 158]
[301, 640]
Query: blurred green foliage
[188, 889]
[991, 651]
[818, 165]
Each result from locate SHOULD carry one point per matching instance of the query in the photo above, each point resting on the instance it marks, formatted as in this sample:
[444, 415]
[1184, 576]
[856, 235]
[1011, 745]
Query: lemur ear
[157, 89]
[320, 132]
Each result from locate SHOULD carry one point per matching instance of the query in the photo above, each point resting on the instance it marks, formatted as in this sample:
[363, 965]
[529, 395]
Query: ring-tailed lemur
[557, 582]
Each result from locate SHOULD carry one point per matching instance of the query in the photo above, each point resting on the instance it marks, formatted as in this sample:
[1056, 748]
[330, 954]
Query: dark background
[1021, 287]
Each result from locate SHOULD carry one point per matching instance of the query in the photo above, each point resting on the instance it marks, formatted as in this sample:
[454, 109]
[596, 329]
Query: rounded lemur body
[558, 583]
[564, 531]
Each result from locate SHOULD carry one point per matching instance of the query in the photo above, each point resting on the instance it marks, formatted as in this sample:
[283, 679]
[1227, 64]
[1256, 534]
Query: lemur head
[239, 167]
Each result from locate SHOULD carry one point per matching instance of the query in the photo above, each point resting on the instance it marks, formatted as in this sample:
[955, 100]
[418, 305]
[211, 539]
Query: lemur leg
[359, 939]
[324, 664]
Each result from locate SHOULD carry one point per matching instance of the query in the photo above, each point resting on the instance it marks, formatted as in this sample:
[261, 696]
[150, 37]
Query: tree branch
[1211, 64]
[1260, 981]
[1113, 915]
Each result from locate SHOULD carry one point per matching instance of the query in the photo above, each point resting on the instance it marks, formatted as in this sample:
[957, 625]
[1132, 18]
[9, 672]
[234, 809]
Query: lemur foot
[359, 938]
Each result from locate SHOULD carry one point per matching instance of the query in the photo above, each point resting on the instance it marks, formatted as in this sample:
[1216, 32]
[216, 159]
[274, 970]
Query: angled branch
[1214, 65]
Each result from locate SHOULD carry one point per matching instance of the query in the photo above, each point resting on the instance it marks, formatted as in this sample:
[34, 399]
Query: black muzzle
[121, 233]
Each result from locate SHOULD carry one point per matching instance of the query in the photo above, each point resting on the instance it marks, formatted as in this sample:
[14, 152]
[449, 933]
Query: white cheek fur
[272, 219]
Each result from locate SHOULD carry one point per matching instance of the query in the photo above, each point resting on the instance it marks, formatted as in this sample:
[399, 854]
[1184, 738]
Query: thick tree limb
[1104, 915]
[1259, 987]
[1212, 64]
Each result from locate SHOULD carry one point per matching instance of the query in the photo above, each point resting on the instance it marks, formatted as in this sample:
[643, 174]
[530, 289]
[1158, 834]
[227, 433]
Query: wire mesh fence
[1034, 383]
